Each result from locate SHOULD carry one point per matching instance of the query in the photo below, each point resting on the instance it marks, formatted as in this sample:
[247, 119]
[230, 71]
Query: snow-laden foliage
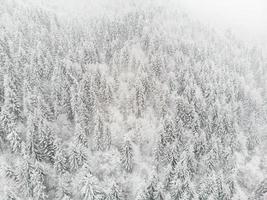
[146, 104]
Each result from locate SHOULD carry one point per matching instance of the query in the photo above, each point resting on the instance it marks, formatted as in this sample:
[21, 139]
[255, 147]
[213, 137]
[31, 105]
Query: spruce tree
[80, 136]
[159, 192]
[37, 180]
[11, 110]
[99, 133]
[116, 193]
[88, 185]
[77, 157]
[140, 98]
[87, 103]
[14, 139]
[60, 160]
[127, 156]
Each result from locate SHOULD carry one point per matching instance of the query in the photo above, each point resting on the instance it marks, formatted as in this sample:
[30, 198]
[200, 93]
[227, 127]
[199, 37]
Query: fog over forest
[133, 100]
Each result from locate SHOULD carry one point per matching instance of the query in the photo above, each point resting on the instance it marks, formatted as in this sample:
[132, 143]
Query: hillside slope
[141, 104]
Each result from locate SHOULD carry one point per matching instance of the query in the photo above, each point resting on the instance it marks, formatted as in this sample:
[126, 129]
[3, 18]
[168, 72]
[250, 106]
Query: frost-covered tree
[60, 160]
[150, 191]
[185, 112]
[169, 130]
[140, 98]
[29, 179]
[102, 134]
[80, 136]
[77, 157]
[190, 101]
[61, 91]
[37, 179]
[107, 138]
[154, 190]
[127, 156]
[47, 146]
[99, 133]
[14, 139]
[88, 185]
[115, 193]
[86, 103]
[159, 194]
[11, 110]
[88, 190]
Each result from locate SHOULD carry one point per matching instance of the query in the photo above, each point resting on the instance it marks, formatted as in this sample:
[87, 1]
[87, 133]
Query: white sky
[246, 18]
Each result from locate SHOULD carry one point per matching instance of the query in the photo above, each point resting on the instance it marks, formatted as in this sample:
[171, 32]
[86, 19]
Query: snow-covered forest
[138, 102]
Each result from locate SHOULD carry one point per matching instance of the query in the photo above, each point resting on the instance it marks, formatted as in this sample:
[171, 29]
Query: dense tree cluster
[128, 107]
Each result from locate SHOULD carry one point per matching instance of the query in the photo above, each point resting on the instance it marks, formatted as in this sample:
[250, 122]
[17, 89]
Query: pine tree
[168, 128]
[102, 134]
[159, 192]
[28, 178]
[66, 101]
[31, 143]
[30, 98]
[45, 107]
[80, 136]
[87, 103]
[99, 134]
[115, 193]
[64, 189]
[77, 158]
[88, 185]
[2, 138]
[107, 93]
[61, 91]
[127, 156]
[37, 180]
[185, 113]
[140, 98]
[153, 191]
[75, 100]
[170, 176]
[14, 140]
[161, 153]
[150, 190]
[60, 163]
[11, 110]
[46, 142]
[107, 138]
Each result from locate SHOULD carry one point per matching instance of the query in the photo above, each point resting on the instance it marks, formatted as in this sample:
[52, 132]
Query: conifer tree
[47, 142]
[159, 192]
[99, 133]
[77, 158]
[168, 128]
[29, 180]
[11, 110]
[88, 185]
[31, 144]
[60, 163]
[140, 98]
[86, 100]
[80, 136]
[37, 180]
[116, 193]
[107, 138]
[66, 101]
[14, 140]
[199, 102]
[153, 191]
[161, 152]
[150, 190]
[127, 156]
